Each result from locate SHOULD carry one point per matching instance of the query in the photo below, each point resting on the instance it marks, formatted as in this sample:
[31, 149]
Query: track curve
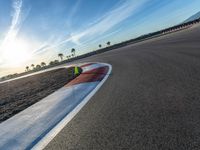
[151, 100]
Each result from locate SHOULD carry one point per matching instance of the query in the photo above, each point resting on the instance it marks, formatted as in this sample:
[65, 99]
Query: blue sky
[32, 31]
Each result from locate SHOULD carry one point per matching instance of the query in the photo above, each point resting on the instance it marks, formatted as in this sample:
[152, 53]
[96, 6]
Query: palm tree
[43, 64]
[38, 67]
[27, 68]
[108, 43]
[73, 51]
[100, 45]
[51, 63]
[56, 61]
[32, 65]
[61, 56]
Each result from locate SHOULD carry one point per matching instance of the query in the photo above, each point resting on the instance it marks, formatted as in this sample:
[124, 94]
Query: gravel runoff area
[19, 94]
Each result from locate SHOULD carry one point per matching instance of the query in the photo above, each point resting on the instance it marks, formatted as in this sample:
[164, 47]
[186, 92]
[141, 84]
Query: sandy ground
[17, 95]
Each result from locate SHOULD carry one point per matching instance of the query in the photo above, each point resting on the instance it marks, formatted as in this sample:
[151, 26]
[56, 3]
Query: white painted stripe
[26, 128]
[45, 141]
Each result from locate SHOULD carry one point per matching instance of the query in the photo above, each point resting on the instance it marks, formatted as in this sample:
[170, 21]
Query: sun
[16, 52]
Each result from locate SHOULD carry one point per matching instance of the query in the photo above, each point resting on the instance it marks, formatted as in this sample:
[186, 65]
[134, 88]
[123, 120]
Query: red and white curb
[37, 125]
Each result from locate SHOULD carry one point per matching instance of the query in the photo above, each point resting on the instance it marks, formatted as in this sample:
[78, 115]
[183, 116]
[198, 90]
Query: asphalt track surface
[150, 102]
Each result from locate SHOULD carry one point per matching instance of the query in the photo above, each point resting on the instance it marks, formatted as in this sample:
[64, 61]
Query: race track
[151, 100]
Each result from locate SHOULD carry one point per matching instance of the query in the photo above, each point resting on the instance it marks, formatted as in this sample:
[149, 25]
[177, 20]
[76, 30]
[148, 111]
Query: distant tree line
[43, 65]
[61, 56]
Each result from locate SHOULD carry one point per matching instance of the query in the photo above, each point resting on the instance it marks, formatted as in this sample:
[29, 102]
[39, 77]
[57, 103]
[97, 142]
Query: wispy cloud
[41, 49]
[16, 16]
[6, 46]
[74, 9]
[107, 22]
[85, 43]
[102, 25]
[13, 29]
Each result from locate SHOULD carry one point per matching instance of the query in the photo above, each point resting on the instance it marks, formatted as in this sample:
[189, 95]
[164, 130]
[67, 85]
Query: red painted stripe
[90, 76]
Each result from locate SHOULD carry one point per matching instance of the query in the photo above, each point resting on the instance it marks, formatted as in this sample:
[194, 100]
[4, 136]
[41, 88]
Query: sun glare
[16, 52]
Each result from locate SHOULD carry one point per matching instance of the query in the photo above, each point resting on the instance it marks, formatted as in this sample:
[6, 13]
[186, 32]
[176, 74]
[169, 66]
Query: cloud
[10, 40]
[17, 18]
[74, 9]
[101, 27]
[114, 17]
[14, 28]
[106, 22]
[101, 37]
[40, 50]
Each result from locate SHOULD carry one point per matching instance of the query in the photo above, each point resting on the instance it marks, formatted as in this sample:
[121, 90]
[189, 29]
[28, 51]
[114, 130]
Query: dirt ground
[17, 95]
